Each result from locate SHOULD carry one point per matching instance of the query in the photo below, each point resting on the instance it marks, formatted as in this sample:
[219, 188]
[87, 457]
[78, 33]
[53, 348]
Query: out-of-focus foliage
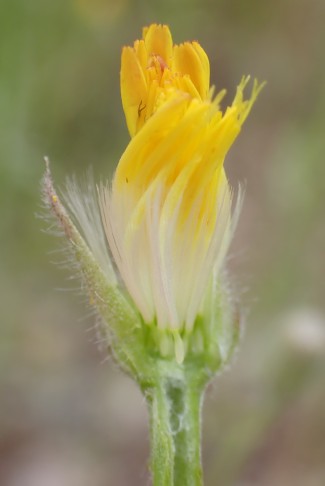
[67, 417]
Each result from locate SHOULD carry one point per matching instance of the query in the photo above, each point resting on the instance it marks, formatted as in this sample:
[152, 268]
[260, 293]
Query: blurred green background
[68, 416]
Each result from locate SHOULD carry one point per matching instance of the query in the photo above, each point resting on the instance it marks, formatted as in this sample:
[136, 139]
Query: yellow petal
[189, 60]
[141, 53]
[133, 88]
[159, 42]
[205, 64]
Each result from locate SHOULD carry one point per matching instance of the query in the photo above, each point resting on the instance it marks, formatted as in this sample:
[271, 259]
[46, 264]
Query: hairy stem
[175, 423]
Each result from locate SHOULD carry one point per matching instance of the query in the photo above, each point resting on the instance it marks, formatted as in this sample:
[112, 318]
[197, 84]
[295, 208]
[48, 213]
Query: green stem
[175, 426]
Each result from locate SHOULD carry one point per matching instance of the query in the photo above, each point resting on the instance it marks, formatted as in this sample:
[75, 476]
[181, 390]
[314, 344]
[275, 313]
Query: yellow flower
[153, 66]
[168, 214]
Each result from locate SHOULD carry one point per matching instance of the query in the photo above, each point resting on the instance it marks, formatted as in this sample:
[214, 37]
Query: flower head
[168, 215]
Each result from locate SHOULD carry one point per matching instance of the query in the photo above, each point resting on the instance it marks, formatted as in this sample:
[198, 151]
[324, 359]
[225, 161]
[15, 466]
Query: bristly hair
[82, 201]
